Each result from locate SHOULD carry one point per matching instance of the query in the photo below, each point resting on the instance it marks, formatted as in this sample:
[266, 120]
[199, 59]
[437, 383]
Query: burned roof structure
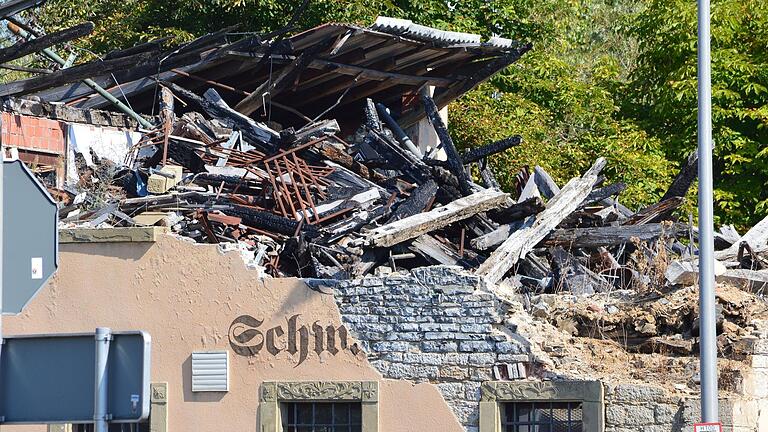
[326, 71]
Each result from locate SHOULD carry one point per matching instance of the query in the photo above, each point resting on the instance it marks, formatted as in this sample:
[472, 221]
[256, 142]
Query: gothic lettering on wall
[247, 338]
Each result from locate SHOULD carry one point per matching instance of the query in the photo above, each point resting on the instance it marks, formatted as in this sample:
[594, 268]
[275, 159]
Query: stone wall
[436, 325]
[630, 408]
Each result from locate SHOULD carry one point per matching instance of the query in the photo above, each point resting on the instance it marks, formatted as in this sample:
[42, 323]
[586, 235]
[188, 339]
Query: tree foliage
[662, 95]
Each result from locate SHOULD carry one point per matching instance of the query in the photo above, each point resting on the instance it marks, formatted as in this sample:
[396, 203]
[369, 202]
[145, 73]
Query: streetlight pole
[707, 336]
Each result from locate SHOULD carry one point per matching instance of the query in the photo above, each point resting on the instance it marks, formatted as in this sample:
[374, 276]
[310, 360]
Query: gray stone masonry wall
[432, 325]
[631, 408]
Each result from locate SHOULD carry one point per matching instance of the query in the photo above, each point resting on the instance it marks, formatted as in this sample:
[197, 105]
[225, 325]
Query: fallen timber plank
[422, 223]
[497, 236]
[434, 250]
[545, 182]
[524, 240]
[417, 202]
[655, 212]
[756, 237]
[22, 48]
[611, 235]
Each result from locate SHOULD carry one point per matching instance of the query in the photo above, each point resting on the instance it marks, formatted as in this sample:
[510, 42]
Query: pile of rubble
[331, 185]
[311, 204]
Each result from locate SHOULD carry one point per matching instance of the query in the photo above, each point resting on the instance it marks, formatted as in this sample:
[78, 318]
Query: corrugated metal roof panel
[418, 32]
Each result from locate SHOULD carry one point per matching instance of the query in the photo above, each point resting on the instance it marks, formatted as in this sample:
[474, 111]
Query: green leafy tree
[662, 95]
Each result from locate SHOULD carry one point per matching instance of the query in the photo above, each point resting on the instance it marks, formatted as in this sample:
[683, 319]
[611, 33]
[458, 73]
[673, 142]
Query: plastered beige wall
[186, 296]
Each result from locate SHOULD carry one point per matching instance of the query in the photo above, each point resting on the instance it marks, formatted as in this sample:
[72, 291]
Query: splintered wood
[416, 225]
[525, 239]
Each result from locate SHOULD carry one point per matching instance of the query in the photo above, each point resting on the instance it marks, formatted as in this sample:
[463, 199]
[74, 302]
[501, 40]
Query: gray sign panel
[30, 236]
[50, 378]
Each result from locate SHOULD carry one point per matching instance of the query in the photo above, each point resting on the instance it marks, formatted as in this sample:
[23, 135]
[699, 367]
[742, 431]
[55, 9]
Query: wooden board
[422, 223]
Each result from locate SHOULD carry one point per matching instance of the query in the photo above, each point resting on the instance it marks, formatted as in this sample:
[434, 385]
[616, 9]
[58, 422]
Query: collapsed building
[292, 212]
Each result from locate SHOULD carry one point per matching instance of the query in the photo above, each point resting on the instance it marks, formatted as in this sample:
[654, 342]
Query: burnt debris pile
[326, 155]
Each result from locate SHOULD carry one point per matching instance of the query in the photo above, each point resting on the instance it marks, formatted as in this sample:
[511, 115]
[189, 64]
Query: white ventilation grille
[210, 371]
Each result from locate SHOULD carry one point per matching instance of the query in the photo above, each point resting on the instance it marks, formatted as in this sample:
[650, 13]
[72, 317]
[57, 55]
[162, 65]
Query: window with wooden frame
[319, 406]
[544, 406]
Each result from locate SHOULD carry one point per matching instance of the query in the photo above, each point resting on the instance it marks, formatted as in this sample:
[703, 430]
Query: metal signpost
[708, 344]
[47, 378]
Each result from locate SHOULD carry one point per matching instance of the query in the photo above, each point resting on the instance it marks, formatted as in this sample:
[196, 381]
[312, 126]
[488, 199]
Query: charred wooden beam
[151, 46]
[415, 169]
[517, 211]
[655, 212]
[612, 235]
[22, 48]
[475, 155]
[252, 131]
[323, 128]
[417, 202]
[422, 223]
[545, 182]
[13, 7]
[454, 160]
[372, 120]
[340, 157]
[272, 86]
[76, 73]
[25, 69]
[684, 179]
[489, 180]
[603, 193]
[524, 240]
[271, 222]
